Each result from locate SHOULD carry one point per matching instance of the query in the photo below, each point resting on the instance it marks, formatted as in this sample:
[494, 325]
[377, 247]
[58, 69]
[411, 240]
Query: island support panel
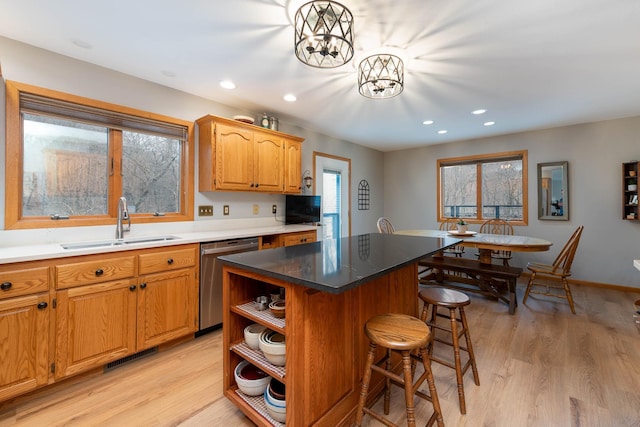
[325, 339]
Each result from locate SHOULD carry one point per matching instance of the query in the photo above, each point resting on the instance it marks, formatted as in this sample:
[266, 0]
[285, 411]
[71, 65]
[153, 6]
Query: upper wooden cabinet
[237, 156]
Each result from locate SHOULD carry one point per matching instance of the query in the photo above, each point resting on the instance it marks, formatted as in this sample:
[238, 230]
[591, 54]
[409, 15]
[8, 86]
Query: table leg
[485, 256]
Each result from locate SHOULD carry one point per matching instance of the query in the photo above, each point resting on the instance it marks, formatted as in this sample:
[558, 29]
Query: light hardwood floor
[541, 367]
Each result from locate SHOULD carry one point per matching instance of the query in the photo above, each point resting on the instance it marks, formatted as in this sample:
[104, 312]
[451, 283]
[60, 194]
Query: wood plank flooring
[541, 367]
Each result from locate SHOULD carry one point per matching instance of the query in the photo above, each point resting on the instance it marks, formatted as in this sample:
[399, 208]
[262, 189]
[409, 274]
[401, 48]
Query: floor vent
[117, 363]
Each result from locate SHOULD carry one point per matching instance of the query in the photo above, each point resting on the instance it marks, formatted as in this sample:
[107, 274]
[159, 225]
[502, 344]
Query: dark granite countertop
[338, 265]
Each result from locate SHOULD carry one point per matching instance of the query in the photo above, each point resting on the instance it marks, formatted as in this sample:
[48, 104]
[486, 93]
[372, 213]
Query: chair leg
[387, 382]
[456, 358]
[437, 412]
[467, 337]
[366, 379]
[408, 389]
[529, 286]
[567, 291]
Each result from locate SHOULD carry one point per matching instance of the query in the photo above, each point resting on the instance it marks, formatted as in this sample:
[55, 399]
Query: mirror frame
[545, 200]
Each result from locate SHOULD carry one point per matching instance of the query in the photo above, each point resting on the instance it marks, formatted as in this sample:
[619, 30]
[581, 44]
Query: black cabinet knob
[42, 305]
[6, 286]
[132, 288]
[143, 285]
[170, 261]
[99, 272]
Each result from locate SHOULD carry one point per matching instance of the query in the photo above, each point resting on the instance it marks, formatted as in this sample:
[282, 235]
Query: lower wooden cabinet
[97, 323]
[298, 238]
[24, 344]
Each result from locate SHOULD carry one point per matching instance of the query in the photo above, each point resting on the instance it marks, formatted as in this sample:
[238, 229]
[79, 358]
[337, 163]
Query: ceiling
[531, 64]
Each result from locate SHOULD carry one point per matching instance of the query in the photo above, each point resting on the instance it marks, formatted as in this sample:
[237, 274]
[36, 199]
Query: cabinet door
[167, 307]
[292, 168]
[234, 158]
[24, 344]
[269, 162]
[96, 324]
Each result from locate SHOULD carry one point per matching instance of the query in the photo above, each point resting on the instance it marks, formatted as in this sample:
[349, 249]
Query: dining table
[485, 242]
[478, 275]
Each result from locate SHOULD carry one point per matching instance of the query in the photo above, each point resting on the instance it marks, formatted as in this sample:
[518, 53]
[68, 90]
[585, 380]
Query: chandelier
[324, 34]
[381, 76]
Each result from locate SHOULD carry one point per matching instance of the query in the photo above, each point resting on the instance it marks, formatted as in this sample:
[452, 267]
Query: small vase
[462, 228]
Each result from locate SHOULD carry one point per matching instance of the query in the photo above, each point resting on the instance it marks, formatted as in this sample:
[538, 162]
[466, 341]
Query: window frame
[478, 161]
[14, 165]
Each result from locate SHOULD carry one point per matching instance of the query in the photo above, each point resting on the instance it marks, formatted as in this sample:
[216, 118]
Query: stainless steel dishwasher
[211, 277]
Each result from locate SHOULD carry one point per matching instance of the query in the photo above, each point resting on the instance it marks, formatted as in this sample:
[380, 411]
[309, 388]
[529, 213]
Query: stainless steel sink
[108, 243]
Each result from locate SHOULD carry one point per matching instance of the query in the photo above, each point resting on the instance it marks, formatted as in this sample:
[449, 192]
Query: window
[72, 158]
[478, 188]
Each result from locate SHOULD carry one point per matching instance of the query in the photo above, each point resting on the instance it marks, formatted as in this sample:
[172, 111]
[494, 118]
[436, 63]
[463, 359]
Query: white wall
[27, 64]
[595, 152]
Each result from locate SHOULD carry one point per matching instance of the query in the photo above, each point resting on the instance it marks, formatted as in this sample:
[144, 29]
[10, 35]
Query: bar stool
[452, 300]
[408, 336]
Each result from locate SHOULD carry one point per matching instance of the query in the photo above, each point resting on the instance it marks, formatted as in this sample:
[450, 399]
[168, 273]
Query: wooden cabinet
[111, 306]
[630, 191]
[25, 313]
[298, 238]
[292, 166]
[236, 156]
[287, 239]
[24, 322]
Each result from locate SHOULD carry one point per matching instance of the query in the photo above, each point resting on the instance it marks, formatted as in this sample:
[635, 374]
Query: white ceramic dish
[276, 408]
[250, 387]
[273, 347]
[466, 233]
[252, 335]
[244, 119]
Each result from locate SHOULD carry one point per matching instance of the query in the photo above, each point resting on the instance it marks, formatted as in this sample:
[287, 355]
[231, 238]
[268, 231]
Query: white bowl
[276, 408]
[252, 335]
[273, 347]
[251, 387]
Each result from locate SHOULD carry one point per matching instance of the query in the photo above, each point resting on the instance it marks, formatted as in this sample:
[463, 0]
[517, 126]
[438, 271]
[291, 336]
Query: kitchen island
[331, 289]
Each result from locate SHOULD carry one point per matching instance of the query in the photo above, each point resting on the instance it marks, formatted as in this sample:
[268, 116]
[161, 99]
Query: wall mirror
[553, 191]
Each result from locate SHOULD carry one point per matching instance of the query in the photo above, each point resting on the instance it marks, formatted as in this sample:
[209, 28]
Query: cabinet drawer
[167, 260]
[299, 238]
[23, 282]
[96, 271]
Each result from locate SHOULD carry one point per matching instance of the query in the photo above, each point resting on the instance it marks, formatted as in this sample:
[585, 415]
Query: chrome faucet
[123, 214]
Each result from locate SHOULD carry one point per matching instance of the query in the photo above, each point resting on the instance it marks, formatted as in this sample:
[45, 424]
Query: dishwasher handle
[234, 248]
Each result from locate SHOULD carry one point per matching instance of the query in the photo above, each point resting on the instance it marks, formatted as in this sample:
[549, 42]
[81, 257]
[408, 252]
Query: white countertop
[33, 252]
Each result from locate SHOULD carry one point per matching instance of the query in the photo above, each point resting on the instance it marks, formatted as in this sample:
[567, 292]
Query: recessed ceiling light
[289, 97]
[481, 111]
[227, 84]
[443, 131]
[427, 122]
[489, 123]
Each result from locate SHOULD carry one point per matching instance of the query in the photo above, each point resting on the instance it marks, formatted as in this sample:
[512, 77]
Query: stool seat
[444, 297]
[397, 331]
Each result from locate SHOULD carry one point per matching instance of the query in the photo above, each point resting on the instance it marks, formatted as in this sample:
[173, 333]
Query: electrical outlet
[274, 209]
[256, 209]
[225, 210]
[205, 210]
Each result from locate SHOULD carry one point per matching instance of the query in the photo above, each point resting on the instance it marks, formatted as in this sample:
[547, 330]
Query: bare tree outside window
[483, 187]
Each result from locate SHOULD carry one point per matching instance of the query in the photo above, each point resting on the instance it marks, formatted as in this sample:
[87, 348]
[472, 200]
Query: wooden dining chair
[548, 275]
[498, 226]
[452, 224]
[385, 226]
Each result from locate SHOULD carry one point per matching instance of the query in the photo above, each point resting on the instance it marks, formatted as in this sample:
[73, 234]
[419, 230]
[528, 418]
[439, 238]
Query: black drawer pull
[132, 288]
[170, 261]
[143, 285]
[42, 305]
[6, 286]
[99, 272]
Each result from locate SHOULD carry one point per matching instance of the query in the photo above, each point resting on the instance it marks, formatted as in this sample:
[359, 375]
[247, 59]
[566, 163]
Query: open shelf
[257, 358]
[248, 310]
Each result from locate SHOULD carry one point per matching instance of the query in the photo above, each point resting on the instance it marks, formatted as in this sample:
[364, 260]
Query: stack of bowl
[273, 347]
[252, 335]
[274, 399]
[251, 380]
